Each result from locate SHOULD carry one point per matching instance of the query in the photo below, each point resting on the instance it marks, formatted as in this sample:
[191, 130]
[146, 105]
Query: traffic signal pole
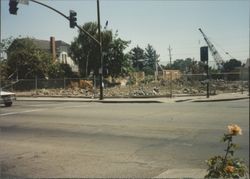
[207, 70]
[204, 59]
[100, 51]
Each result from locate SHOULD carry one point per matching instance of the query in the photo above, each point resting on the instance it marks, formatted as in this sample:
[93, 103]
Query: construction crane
[218, 59]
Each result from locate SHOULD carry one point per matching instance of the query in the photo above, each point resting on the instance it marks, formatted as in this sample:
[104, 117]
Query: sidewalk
[187, 173]
[179, 98]
[183, 173]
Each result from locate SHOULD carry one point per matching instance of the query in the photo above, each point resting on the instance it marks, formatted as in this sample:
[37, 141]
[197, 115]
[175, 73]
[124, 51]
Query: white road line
[35, 110]
[28, 111]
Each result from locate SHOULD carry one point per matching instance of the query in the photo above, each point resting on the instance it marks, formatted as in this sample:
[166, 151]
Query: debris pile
[149, 89]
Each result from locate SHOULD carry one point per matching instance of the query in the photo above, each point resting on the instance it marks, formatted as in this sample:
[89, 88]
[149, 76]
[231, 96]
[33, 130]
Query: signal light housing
[13, 7]
[72, 19]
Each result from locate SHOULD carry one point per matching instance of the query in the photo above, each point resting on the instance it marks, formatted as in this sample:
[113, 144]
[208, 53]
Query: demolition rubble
[171, 82]
[143, 89]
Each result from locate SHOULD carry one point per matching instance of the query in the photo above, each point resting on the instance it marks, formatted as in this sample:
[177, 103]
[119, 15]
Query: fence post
[36, 83]
[94, 90]
[241, 79]
[64, 83]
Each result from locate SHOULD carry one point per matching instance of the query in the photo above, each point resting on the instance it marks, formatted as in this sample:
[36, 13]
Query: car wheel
[8, 104]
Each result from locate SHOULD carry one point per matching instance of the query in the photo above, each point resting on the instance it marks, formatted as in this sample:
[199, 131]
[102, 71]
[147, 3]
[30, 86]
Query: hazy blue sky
[158, 22]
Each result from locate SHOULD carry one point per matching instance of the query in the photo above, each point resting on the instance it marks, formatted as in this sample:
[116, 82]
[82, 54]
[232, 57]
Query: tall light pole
[100, 51]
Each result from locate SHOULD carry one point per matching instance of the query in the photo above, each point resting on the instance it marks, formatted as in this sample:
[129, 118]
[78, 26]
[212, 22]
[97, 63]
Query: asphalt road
[66, 139]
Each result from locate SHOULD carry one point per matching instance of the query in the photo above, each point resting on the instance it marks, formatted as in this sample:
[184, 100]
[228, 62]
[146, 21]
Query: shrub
[227, 166]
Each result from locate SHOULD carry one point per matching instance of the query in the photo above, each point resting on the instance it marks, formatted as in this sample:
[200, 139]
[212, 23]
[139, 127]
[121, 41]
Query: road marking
[35, 110]
[14, 113]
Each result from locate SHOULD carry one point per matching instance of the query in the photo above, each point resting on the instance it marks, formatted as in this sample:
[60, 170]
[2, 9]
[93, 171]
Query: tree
[4, 45]
[182, 65]
[189, 66]
[116, 61]
[231, 65]
[3, 70]
[60, 70]
[85, 51]
[25, 60]
[137, 56]
[151, 60]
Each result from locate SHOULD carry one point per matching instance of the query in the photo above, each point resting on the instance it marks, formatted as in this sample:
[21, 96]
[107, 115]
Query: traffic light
[204, 53]
[13, 7]
[72, 19]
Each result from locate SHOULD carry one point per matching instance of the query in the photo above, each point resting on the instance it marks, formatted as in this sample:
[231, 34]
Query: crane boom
[219, 61]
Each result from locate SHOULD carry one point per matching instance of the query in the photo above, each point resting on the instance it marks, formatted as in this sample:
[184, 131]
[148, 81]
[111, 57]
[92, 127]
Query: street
[74, 139]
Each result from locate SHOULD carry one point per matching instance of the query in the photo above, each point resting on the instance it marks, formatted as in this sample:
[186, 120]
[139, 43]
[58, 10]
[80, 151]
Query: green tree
[85, 51]
[3, 70]
[116, 61]
[151, 60]
[189, 66]
[231, 65]
[60, 70]
[182, 65]
[26, 60]
[4, 45]
[67, 71]
[137, 56]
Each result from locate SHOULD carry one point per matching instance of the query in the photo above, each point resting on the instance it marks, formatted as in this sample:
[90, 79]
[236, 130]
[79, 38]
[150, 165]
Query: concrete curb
[88, 100]
[133, 100]
[218, 100]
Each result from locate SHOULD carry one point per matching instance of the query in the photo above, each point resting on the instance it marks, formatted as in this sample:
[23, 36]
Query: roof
[61, 43]
[42, 44]
[45, 44]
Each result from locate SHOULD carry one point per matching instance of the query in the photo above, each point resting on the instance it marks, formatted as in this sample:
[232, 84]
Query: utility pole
[1, 50]
[100, 51]
[207, 70]
[170, 58]
[156, 70]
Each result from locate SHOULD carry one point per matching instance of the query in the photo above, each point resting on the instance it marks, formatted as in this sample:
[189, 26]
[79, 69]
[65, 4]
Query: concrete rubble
[150, 89]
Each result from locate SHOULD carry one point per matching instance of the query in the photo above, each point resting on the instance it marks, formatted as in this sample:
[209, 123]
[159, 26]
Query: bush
[227, 166]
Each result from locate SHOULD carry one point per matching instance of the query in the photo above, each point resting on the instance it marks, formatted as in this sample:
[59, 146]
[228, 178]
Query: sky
[161, 23]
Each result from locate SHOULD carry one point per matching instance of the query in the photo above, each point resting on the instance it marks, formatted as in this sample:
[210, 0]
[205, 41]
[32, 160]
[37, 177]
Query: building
[245, 71]
[59, 51]
[171, 74]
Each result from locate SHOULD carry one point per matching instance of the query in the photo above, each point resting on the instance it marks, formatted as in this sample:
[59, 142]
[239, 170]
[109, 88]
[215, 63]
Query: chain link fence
[184, 84]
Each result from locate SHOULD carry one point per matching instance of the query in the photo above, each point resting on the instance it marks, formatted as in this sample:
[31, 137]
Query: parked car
[7, 98]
